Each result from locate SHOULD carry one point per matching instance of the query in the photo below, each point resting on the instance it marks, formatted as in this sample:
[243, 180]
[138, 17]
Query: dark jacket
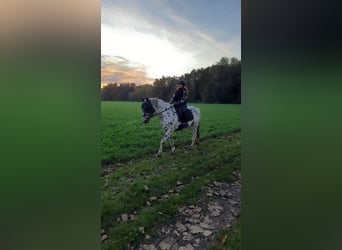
[179, 102]
[180, 96]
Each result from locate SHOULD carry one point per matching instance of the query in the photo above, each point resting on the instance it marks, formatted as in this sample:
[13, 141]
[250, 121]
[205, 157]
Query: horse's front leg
[165, 138]
[172, 145]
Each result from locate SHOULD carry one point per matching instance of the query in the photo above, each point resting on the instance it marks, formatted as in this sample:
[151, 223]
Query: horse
[169, 120]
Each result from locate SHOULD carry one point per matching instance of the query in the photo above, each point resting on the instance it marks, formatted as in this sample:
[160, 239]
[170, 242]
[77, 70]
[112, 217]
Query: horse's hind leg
[194, 135]
[198, 134]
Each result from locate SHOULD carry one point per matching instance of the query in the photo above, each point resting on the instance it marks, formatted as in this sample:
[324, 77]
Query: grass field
[124, 137]
[130, 145]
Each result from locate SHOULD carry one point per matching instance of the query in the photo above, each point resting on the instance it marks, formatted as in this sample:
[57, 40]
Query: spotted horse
[169, 120]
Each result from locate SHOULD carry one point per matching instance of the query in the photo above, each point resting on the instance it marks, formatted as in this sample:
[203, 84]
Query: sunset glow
[158, 55]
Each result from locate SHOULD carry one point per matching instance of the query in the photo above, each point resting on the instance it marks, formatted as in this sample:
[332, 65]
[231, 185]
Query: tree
[224, 61]
[219, 83]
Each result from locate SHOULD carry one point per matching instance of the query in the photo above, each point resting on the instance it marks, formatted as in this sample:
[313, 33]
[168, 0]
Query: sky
[142, 40]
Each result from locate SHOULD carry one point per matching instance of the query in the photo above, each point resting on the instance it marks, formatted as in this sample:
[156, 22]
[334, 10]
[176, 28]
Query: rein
[162, 111]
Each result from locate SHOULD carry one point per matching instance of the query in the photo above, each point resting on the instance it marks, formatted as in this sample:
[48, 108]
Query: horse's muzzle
[145, 119]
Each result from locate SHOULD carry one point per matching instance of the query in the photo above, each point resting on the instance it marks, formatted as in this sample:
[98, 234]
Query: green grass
[124, 137]
[123, 191]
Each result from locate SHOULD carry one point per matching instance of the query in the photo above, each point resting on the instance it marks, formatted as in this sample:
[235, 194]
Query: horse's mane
[156, 102]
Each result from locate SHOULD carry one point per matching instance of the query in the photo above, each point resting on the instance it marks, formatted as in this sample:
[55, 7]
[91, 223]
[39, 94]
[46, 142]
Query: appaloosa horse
[169, 120]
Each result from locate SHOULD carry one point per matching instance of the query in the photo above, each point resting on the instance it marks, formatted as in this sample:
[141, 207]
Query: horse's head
[147, 109]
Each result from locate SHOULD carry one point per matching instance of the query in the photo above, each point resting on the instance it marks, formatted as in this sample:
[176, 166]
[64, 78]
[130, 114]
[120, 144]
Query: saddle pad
[188, 115]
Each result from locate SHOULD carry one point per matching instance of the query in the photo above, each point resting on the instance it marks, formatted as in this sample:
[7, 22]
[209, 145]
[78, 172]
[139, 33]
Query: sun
[159, 56]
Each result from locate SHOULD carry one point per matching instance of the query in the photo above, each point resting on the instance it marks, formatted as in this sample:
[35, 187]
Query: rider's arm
[184, 97]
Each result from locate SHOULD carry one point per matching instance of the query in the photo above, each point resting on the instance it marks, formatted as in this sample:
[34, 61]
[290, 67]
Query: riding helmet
[182, 82]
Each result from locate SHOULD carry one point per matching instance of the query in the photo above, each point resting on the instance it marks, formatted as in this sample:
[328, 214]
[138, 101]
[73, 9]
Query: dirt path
[195, 227]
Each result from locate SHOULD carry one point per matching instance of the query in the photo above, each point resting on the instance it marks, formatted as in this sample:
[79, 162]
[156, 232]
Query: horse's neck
[159, 105]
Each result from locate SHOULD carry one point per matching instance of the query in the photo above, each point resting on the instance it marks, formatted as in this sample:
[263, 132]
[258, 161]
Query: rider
[179, 99]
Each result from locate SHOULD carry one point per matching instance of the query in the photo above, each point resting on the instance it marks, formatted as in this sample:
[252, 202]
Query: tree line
[219, 83]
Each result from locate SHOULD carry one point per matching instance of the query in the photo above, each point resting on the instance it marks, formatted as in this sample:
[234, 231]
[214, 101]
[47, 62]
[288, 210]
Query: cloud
[116, 69]
[184, 35]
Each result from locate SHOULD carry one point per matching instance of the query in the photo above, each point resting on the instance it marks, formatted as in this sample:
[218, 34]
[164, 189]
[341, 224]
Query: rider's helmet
[181, 82]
